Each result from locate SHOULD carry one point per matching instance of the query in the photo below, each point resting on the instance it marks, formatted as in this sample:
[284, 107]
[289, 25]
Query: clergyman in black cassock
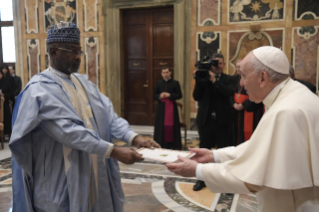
[171, 87]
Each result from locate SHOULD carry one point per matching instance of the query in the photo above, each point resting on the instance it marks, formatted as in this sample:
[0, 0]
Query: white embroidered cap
[273, 58]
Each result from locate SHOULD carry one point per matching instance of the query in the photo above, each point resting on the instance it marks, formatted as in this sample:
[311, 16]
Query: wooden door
[148, 45]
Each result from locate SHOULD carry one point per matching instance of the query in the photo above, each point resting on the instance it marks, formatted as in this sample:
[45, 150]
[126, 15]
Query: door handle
[163, 64]
[145, 85]
[136, 64]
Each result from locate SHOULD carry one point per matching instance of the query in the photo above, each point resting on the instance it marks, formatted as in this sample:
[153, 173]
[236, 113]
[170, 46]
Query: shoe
[199, 185]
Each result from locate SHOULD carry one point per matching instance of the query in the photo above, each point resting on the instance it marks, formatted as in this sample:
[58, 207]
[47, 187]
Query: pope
[280, 162]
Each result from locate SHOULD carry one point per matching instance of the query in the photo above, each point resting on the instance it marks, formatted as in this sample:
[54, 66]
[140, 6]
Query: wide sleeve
[227, 153]
[177, 93]
[278, 153]
[46, 106]
[219, 180]
[119, 127]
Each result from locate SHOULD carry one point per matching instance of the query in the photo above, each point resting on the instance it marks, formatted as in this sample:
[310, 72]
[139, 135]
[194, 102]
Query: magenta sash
[168, 120]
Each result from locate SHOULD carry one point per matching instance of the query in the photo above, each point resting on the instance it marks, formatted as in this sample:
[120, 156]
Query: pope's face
[219, 69]
[250, 80]
[68, 61]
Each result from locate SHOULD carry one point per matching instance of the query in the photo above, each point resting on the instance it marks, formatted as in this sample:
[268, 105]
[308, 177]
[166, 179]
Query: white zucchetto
[273, 58]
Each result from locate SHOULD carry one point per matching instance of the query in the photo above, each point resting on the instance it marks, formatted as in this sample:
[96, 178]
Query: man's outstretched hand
[126, 155]
[185, 168]
[142, 142]
[202, 155]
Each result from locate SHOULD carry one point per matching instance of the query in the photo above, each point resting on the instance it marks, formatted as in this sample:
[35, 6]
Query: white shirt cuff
[130, 141]
[109, 151]
[199, 171]
[216, 157]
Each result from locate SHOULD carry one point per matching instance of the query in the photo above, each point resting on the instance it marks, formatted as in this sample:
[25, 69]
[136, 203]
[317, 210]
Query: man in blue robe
[61, 143]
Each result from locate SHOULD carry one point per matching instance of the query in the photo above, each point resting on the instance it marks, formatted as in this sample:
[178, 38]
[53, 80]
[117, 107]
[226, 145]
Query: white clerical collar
[271, 97]
[167, 80]
[59, 73]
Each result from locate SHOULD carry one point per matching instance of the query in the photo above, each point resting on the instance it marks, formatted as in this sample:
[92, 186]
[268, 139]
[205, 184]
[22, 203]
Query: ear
[264, 79]
[52, 51]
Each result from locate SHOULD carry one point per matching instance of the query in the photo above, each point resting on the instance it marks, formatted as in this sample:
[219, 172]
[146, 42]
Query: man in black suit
[214, 115]
[17, 81]
[305, 83]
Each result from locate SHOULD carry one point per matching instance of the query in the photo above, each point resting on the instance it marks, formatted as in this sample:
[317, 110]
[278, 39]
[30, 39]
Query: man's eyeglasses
[75, 52]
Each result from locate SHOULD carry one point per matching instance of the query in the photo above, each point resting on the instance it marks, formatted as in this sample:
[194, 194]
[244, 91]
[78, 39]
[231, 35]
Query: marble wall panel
[305, 53]
[241, 43]
[59, 10]
[91, 15]
[207, 43]
[33, 57]
[256, 10]
[208, 12]
[92, 59]
[31, 16]
[306, 9]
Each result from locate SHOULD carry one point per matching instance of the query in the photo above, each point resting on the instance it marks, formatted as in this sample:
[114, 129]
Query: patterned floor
[150, 187]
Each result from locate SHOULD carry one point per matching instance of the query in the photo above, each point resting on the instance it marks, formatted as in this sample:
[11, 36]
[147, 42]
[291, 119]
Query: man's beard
[65, 68]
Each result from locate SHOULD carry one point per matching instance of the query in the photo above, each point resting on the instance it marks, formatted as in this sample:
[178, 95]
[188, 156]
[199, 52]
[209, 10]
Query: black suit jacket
[308, 85]
[218, 93]
[18, 85]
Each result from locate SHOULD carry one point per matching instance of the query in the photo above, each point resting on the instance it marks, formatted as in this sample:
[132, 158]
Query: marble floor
[150, 187]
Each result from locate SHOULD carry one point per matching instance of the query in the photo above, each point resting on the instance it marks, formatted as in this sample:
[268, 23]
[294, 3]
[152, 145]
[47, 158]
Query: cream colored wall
[102, 43]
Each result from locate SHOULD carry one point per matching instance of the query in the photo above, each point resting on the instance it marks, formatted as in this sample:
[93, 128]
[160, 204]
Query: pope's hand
[185, 168]
[202, 155]
[126, 155]
[142, 142]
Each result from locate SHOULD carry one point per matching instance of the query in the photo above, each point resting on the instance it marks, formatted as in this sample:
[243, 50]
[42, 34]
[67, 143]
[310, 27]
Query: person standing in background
[309, 85]
[167, 130]
[214, 116]
[17, 81]
[7, 91]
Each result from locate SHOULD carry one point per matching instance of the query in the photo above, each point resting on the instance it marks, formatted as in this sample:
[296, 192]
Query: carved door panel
[148, 40]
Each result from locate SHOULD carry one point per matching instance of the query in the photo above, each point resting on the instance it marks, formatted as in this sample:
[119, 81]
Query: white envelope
[163, 155]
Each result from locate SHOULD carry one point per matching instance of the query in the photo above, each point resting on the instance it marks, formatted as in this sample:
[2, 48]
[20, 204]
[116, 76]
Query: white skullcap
[273, 58]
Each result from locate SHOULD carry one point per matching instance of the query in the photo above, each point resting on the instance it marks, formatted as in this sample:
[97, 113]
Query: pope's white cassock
[61, 143]
[281, 160]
